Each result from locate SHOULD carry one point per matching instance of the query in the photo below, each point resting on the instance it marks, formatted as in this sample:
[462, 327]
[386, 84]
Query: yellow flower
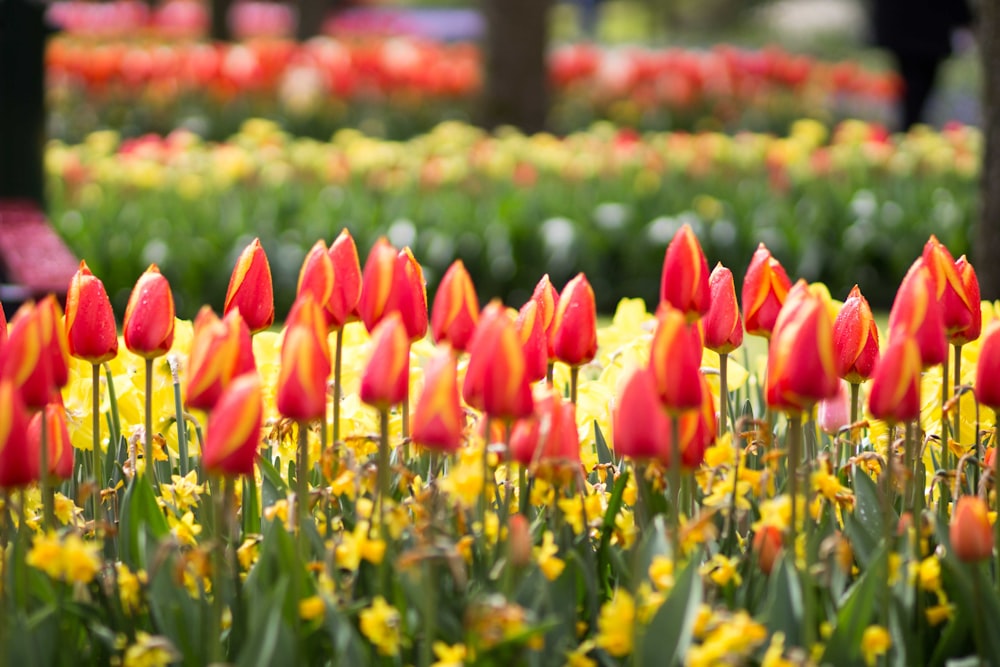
[649, 602]
[661, 573]
[545, 554]
[875, 642]
[449, 656]
[150, 651]
[279, 510]
[356, 546]
[929, 574]
[248, 552]
[184, 493]
[830, 487]
[578, 656]
[71, 559]
[722, 570]
[615, 624]
[464, 481]
[66, 510]
[312, 608]
[774, 656]
[380, 625]
[939, 613]
[184, 529]
[130, 587]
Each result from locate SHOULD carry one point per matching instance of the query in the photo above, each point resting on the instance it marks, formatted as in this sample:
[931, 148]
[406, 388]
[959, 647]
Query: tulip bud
[640, 425]
[18, 460]
[377, 283]
[917, 314]
[384, 382]
[251, 289]
[533, 340]
[801, 364]
[958, 310]
[343, 303]
[722, 324]
[456, 308]
[233, 431]
[970, 532]
[765, 287]
[23, 360]
[767, 545]
[675, 360]
[684, 281]
[549, 436]
[855, 339]
[574, 328]
[895, 390]
[438, 421]
[316, 276]
[988, 367]
[54, 342]
[90, 322]
[966, 313]
[409, 295]
[496, 379]
[305, 363]
[220, 351]
[60, 448]
[149, 316]
[547, 297]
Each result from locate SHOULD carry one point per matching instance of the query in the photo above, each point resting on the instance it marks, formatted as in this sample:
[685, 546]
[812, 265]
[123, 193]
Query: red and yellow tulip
[251, 288]
[456, 308]
[855, 339]
[149, 315]
[438, 420]
[233, 431]
[684, 281]
[722, 324]
[765, 287]
[91, 331]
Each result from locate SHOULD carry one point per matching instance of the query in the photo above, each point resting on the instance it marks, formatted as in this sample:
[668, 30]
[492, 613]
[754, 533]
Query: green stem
[549, 371]
[522, 490]
[338, 356]
[45, 479]
[116, 423]
[945, 448]
[406, 424]
[384, 480]
[97, 458]
[302, 490]
[148, 451]
[957, 430]
[216, 485]
[675, 488]
[855, 413]
[794, 445]
[723, 393]
[183, 461]
[430, 614]
[574, 379]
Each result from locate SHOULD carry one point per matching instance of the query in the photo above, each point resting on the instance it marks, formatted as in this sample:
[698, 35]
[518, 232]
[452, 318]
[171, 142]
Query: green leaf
[347, 643]
[271, 640]
[844, 646]
[140, 513]
[668, 635]
[607, 527]
[604, 456]
[784, 601]
[176, 615]
[273, 487]
[866, 525]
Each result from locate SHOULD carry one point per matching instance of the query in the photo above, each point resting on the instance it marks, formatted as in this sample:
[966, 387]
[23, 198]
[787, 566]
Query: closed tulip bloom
[684, 280]
[385, 379]
[316, 276]
[305, 363]
[438, 420]
[988, 367]
[376, 283]
[970, 532]
[549, 436]
[675, 360]
[496, 379]
[697, 430]
[950, 291]
[895, 390]
[855, 339]
[409, 295]
[640, 425]
[765, 287]
[23, 359]
[574, 335]
[963, 309]
[343, 303]
[18, 460]
[54, 342]
[531, 331]
[149, 316]
[801, 363]
[220, 351]
[768, 542]
[722, 323]
[456, 308]
[60, 448]
[251, 288]
[90, 322]
[547, 297]
[917, 314]
[233, 431]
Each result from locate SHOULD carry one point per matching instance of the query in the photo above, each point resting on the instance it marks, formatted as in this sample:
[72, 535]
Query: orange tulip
[895, 390]
[549, 436]
[90, 322]
[855, 339]
[409, 295]
[722, 324]
[547, 297]
[316, 277]
[496, 379]
[18, 460]
[305, 362]
[917, 314]
[386, 378]
[532, 334]
[765, 287]
[957, 306]
[970, 532]
[641, 426]
[251, 289]
[675, 359]
[233, 431]
[54, 342]
[574, 327]
[60, 448]
[220, 351]
[343, 303]
[988, 367]
[23, 359]
[684, 280]
[767, 545]
[438, 420]
[801, 363]
[377, 283]
[456, 308]
[966, 313]
[149, 316]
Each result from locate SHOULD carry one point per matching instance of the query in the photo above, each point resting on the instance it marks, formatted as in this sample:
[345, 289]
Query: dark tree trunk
[311, 15]
[516, 75]
[987, 246]
[219, 30]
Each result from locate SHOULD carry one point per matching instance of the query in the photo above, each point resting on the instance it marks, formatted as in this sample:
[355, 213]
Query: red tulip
[251, 289]
[438, 420]
[496, 379]
[988, 367]
[316, 277]
[90, 322]
[456, 308]
[963, 308]
[855, 339]
[640, 424]
[220, 351]
[533, 340]
[149, 316]
[54, 342]
[549, 436]
[722, 324]
[684, 281]
[233, 431]
[574, 328]
[24, 361]
[765, 287]
[377, 283]
[970, 532]
[895, 390]
[917, 314]
[958, 309]
[767, 545]
[801, 363]
[675, 360]
[343, 303]
[60, 448]
[385, 380]
[547, 297]
[18, 460]
[409, 295]
[305, 363]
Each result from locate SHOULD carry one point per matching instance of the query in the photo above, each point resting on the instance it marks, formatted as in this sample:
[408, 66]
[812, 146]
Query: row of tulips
[285, 503]
[842, 207]
[398, 87]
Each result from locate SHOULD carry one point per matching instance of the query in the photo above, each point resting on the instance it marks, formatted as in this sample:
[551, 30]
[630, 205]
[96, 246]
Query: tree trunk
[516, 91]
[987, 247]
[219, 30]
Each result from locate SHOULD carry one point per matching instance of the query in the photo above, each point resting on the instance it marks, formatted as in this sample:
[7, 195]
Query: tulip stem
[723, 393]
[218, 563]
[522, 490]
[338, 391]
[574, 379]
[148, 443]
[383, 467]
[794, 443]
[183, 462]
[945, 446]
[957, 430]
[549, 371]
[855, 410]
[48, 493]
[302, 489]
[675, 487]
[96, 418]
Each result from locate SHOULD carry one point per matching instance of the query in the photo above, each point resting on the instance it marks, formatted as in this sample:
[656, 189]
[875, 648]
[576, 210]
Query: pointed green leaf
[668, 635]
[784, 601]
[604, 456]
[856, 614]
[140, 513]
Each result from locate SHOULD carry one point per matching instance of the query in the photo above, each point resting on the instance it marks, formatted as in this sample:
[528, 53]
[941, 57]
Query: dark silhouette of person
[918, 34]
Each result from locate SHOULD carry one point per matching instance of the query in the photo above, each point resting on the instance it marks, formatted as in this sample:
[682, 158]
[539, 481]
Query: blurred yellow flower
[380, 624]
[616, 624]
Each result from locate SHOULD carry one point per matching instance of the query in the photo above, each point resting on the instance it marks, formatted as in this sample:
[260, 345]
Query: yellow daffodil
[380, 624]
[875, 642]
[615, 625]
[550, 565]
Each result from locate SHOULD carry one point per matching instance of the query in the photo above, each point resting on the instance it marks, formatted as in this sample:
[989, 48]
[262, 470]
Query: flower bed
[401, 86]
[842, 209]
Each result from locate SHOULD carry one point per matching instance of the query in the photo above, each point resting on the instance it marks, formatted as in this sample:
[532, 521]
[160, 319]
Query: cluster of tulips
[474, 512]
